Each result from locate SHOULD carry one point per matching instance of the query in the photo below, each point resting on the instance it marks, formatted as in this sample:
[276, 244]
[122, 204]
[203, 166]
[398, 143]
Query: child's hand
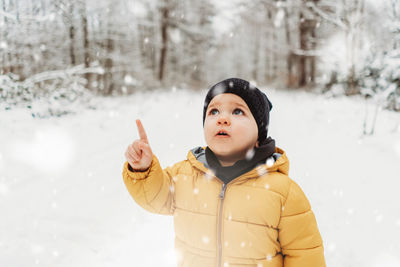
[139, 154]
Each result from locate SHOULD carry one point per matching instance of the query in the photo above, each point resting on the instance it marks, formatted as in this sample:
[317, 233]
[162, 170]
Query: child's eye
[238, 111]
[214, 111]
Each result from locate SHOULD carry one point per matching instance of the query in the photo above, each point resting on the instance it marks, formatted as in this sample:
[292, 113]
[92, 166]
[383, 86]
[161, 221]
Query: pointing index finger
[142, 132]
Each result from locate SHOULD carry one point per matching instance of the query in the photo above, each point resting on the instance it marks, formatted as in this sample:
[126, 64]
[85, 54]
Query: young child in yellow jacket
[232, 201]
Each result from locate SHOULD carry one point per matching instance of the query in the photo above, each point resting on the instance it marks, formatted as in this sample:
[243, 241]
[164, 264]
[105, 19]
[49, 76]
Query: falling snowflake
[196, 191]
[172, 189]
[270, 161]
[261, 170]
[250, 153]
[243, 244]
[279, 18]
[379, 218]
[3, 189]
[37, 249]
[331, 247]
[3, 45]
[350, 211]
[226, 243]
[205, 239]
[219, 89]
[209, 175]
[252, 85]
[226, 264]
[266, 186]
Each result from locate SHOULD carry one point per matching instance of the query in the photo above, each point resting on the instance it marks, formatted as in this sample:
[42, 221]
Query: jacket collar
[278, 162]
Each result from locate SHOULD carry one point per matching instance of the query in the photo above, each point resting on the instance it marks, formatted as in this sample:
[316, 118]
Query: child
[232, 201]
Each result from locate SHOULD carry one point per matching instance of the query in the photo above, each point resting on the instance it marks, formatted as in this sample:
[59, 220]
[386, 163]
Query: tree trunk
[85, 31]
[289, 57]
[72, 35]
[164, 42]
[301, 68]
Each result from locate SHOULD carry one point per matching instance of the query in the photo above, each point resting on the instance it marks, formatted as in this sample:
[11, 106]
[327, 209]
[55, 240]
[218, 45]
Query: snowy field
[63, 201]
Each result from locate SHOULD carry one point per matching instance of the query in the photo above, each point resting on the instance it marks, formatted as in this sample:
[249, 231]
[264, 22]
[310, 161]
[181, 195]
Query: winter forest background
[62, 49]
[74, 76]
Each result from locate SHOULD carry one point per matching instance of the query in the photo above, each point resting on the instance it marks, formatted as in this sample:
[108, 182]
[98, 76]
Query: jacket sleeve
[151, 189]
[299, 236]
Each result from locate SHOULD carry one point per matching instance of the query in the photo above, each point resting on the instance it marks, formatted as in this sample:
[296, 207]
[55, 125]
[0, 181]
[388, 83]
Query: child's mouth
[222, 134]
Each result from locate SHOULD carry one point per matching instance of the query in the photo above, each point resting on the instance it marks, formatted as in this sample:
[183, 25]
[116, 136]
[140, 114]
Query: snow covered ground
[63, 201]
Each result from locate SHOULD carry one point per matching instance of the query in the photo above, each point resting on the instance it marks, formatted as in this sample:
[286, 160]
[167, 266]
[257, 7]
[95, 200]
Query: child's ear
[257, 144]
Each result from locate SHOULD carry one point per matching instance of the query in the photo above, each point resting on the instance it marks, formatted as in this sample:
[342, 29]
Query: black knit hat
[256, 100]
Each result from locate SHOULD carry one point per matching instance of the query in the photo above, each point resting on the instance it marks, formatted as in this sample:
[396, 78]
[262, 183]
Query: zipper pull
[222, 193]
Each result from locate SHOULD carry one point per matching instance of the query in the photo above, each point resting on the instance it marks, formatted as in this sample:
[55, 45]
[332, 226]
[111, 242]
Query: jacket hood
[278, 162]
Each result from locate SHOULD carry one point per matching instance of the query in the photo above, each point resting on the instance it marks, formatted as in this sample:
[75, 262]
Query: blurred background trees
[66, 48]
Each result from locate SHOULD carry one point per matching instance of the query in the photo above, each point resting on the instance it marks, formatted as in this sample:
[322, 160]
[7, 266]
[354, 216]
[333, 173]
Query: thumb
[146, 150]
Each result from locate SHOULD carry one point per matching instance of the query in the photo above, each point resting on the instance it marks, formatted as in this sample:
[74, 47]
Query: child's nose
[223, 120]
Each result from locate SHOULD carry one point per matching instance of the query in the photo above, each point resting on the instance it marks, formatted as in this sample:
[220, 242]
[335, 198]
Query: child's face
[230, 114]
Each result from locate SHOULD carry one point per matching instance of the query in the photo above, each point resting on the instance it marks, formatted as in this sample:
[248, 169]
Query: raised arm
[149, 185]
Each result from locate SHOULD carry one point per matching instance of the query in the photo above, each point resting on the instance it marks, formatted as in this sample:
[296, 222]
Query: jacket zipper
[222, 197]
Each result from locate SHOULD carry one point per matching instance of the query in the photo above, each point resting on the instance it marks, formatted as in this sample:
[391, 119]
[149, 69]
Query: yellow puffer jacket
[261, 218]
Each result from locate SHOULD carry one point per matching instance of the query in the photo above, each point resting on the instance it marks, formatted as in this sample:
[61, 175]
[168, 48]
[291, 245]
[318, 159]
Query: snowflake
[266, 186]
[37, 249]
[172, 189]
[196, 191]
[252, 85]
[261, 170]
[226, 243]
[3, 45]
[205, 239]
[250, 153]
[219, 89]
[3, 189]
[270, 161]
[379, 218]
[350, 211]
[243, 244]
[331, 247]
